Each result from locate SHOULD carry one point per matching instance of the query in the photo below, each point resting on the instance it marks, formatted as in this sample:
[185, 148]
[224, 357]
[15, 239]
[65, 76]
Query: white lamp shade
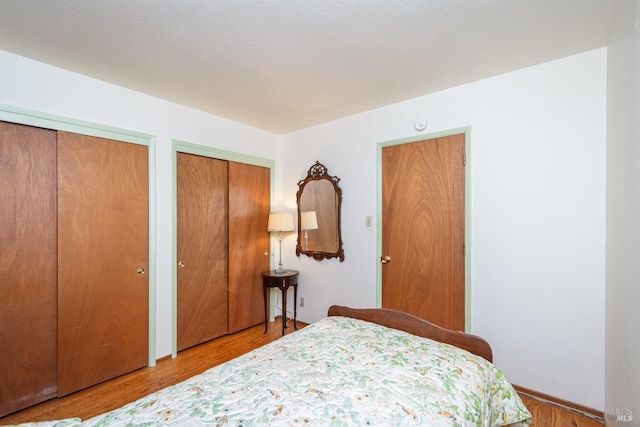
[308, 220]
[280, 221]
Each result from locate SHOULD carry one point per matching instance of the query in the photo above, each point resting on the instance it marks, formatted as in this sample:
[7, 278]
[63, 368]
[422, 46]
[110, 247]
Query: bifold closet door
[249, 203]
[102, 259]
[28, 312]
[202, 249]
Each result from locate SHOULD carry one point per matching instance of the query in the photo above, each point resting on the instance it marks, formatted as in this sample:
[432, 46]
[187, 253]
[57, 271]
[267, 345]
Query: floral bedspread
[337, 372]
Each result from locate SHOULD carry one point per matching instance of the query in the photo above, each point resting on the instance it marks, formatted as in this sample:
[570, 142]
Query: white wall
[623, 219]
[538, 215]
[42, 88]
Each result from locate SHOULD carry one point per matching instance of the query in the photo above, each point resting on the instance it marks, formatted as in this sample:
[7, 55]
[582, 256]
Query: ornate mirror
[319, 200]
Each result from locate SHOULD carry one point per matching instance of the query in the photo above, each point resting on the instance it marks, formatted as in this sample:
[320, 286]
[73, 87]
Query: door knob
[140, 271]
[180, 264]
[385, 259]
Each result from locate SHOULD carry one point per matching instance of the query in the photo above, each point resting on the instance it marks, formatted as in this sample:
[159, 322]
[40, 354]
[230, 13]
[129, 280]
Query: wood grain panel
[249, 202]
[202, 249]
[102, 242]
[28, 262]
[423, 230]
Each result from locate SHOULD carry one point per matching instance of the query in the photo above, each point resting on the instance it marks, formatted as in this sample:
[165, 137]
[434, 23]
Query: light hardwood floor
[119, 391]
[546, 414]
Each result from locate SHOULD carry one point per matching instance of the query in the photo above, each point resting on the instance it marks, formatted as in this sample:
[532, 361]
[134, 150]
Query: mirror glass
[319, 199]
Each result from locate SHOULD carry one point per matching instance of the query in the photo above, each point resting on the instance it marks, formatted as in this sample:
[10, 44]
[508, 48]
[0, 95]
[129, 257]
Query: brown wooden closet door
[202, 249]
[28, 259]
[423, 230]
[249, 202]
[103, 257]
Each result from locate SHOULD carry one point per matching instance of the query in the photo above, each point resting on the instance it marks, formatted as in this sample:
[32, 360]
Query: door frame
[214, 153]
[60, 123]
[467, 211]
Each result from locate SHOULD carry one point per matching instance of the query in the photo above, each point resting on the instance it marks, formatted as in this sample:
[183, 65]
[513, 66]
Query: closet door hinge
[464, 249]
[464, 159]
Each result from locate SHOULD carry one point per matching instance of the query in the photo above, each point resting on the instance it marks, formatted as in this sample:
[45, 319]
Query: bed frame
[414, 325]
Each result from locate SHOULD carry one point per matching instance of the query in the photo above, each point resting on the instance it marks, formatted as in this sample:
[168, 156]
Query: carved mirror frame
[317, 175]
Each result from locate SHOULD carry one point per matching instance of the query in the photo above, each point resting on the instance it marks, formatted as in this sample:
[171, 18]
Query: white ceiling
[283, 65]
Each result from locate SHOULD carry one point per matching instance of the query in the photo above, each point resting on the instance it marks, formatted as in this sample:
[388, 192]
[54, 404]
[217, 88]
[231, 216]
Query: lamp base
[280, 269]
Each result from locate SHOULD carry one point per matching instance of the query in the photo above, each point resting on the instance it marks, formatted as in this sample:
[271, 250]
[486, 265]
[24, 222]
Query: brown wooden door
[423, 230]
[102, 259]
[202, 249]
[249, 201]
[28, 259]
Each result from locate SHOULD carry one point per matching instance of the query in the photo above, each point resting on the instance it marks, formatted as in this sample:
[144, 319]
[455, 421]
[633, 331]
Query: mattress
[336, 372]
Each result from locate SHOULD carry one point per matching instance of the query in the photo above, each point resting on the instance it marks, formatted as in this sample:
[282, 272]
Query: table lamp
[280, 221]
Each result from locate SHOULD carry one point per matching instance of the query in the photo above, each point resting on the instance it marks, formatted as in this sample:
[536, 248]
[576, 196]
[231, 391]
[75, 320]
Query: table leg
[266, 319]
[284, 309]
[295, 307]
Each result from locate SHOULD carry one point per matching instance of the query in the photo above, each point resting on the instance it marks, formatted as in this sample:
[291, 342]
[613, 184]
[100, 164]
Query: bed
[375, 367]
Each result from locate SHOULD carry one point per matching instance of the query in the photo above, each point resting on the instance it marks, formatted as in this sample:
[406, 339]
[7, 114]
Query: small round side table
[282, 280]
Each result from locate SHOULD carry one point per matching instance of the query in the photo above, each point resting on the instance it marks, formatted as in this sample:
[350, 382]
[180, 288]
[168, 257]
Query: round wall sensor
[420, 124]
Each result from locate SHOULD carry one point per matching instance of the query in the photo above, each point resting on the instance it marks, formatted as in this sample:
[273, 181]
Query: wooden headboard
[414, 325]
